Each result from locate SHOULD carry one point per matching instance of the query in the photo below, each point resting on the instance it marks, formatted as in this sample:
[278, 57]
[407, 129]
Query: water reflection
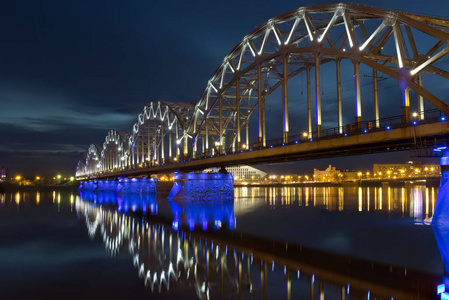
[416, 201]
[230, 265]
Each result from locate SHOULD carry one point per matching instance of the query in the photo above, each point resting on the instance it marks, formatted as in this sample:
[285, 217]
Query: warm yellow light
[38, 178]
[304, 134]
[415, 114]
[432, 169]
[388, 172]
[367, 173]
[402, 171]
[426, 169]
[59, 176]
[72, 178]
[18, 177]
[359, 173]
[244, 146]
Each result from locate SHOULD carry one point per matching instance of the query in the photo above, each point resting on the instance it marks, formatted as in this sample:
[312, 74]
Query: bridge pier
[136, 186]
[441, 212]
[440, 222]
[202, 187]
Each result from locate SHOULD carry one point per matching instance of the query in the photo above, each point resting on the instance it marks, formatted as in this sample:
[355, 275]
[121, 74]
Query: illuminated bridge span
[244, 115]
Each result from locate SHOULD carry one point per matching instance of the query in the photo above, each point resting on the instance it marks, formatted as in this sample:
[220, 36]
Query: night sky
[72, 70]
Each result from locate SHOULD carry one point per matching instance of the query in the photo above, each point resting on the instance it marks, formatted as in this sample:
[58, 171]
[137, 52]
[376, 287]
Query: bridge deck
[364, 143]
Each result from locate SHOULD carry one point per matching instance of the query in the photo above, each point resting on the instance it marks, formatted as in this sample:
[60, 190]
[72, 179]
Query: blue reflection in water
[215, 215]
[137, 195]
[203, 200]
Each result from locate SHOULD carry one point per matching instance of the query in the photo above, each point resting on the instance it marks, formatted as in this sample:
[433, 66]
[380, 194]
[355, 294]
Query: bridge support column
[259, 99]
[186, 147]
[406, 104]
[340, 114]
[318, 95]
[220, 126]
[420, 99]
[237, 99]
[358, 99]
[162, 145]
[376, 99]
[309, 105]
[148, 141]
[169, 145]
[206, 138]
[285, 99]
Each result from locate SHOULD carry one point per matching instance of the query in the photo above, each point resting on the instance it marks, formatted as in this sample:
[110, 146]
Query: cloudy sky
[72, 70]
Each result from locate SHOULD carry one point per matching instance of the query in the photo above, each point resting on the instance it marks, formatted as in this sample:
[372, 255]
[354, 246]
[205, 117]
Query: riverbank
[8, 187]
[433, 182]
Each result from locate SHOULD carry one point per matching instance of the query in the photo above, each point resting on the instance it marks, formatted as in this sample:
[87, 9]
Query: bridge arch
[399, 45]
[157, 135]
[90, 164]
[114, 151]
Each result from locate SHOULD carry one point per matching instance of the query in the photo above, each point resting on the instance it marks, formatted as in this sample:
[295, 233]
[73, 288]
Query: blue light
[388, 127]
[439, 149]
[241, 150]
[414, 122]
[296, 142]
[441, 288]
[443, 118]
[271, 146]
[283, 144]
[311, 140]
[346, 134]
[226, 154]
[365, 131]
[250, 149]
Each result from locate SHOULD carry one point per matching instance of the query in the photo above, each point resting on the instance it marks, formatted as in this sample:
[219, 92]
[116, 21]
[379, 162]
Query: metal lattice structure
[301, 41]
[399, 45]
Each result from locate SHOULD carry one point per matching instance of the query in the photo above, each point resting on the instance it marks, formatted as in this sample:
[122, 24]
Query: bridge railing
[428, 116]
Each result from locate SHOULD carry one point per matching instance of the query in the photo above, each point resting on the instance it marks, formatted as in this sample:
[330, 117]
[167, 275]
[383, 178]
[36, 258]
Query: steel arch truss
[157, 135]
[301, 41]
[90, 164]
[114, 151]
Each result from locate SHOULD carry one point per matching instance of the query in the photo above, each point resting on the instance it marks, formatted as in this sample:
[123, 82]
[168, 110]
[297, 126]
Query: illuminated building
[2, 174]
[329, 175]
[242, 173]
[410, 169]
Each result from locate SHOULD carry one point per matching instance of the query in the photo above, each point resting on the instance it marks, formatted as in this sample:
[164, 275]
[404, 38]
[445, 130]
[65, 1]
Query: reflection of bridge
[229, 265]
[228, 125]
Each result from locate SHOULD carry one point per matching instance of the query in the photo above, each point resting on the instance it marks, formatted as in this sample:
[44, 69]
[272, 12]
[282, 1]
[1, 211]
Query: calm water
[306, 242]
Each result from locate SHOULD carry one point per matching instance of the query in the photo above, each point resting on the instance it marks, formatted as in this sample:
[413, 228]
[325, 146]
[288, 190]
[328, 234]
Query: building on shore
[2, 174]
[330, 174]
[243, 173]
[408, 170]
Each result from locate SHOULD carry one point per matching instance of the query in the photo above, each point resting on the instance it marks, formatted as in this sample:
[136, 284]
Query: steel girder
[306, 38]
